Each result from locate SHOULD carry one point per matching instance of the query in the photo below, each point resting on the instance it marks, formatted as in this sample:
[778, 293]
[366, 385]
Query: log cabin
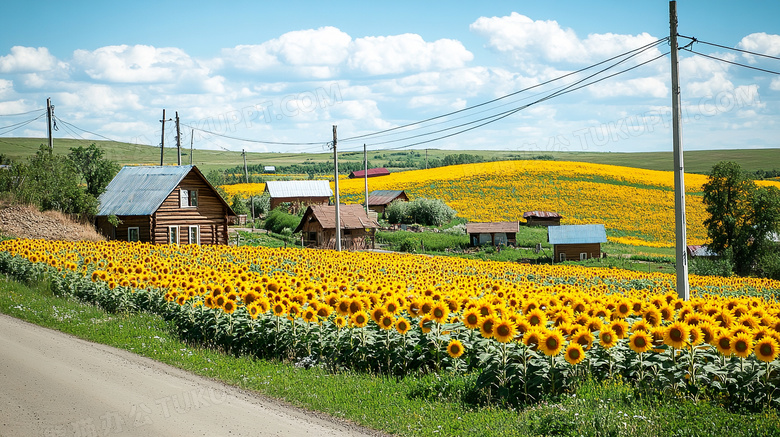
[163, 204]
[318, 227]
[576, 242]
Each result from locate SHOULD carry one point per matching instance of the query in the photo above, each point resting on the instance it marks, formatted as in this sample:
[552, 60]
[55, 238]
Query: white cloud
[100, 98]
[26, 60]
[530, 42]
[645, 87]
[760, 43]
[775, 85]
[377, 55]
[6, 88]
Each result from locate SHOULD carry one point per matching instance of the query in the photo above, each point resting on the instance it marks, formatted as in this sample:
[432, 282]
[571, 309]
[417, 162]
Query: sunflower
[229, 306]
[552, 342]
[766, 349]
[440, 312]
[640, 325]
[220, 301]
[723, 342]
[652, 316]
[254, 311]
[533, 338]
[323, 311]
[742, 345]
[594, 324]
[355, 306]
[623, 309]
[607, 338]
[583, 337]
[340, 321]
[359, 319]
[387, 322]
[574, 353]
[536, 317]
[640, 342]
[402, 325]
[310, 315]
[342, 306]
[485, 308]
[425, 324]
[377, 314]
[620, 327]
[455, 348]
[279, 309]
[676, 335]
[504, 331]
[471, 318]
[487, 325]
[707, 332]
[695, 336]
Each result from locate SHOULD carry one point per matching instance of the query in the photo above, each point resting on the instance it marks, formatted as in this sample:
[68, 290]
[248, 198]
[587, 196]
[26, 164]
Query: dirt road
[52, 384]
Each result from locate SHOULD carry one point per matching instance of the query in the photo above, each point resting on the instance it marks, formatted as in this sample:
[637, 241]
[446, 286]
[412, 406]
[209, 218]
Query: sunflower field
[517, 333]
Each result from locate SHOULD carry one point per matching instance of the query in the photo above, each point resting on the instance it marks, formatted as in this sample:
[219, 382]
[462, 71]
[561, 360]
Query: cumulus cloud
[6, 88]
[775, 85]
[27, 60]
[760, 43]
[377, 55]
[133, 64]
[100, 98]
[529, 42]
[644, 86]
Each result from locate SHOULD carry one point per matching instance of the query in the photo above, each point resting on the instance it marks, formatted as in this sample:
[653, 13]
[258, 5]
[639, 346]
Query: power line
[731, 62]
[273, 143]
[13, 127]
[22, 113]
[65, 123]
[694, 40]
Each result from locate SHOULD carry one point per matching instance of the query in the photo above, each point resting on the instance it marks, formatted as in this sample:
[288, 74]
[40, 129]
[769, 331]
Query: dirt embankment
[24, 221]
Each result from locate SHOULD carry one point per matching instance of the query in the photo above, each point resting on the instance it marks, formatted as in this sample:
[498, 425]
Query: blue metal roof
[298, 188]
[576, 234]
[140, 190]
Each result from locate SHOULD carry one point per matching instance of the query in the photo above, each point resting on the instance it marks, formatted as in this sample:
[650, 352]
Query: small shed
[542, 218]
[302, 193]
[379, 199]
[495, 233]
[163, 204]
[371, 173]
[269, 169]
[700, 251]
[318, 227]
[576, 242]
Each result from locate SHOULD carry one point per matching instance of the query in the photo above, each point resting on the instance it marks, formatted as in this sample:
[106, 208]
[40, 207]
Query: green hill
[699, 161]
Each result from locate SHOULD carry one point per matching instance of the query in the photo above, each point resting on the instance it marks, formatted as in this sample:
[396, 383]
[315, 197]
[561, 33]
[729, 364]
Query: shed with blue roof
[576, 242]
[163, 204]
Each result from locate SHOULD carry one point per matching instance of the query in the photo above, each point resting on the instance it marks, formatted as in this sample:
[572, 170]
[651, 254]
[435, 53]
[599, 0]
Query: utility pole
[246, 177]
[426, 159]
[178, 139]
[681, 255]
[365, 174]
[162, 137]
[336, 169]
[192, 138]
[49, 117]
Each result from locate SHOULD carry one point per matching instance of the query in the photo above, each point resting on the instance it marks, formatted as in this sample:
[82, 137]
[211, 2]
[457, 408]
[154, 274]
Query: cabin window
[173, 235]
[583, 256]
[189, 198]
[563, 257]
[194, 234]
[133, 234]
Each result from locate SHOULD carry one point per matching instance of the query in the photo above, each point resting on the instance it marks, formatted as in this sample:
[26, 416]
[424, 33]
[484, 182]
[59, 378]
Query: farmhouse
[372, 172]
[318, 227]
[496, 233]
[300, 193]
[269, 169]
[542, 218]
[379, 199]
[576, 242]
[163, 204]
[700, 251]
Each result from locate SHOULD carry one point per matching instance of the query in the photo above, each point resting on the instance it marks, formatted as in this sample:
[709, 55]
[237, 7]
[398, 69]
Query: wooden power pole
[192, 139]
[162, 137]
[336, 172]
[178, 140]
[683, 289]
[49, 117]
[365, 174]
[246, 178]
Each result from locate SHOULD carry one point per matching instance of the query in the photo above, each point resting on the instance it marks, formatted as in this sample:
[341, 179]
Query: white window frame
[196, 228]
[188, 198]
[137, 233]
[173, 231]
[583, 256]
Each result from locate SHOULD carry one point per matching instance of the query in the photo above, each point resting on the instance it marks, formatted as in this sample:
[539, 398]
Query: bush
[768, 265]
[278, 220]
[427, 212]
[711, 267]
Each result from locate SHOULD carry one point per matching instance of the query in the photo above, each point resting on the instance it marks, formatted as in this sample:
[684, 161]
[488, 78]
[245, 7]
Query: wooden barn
[576, 242]
[371, 173]
[298, 193]
[495, 234]
[318, 227]
[700, 251]
[163, 204]
[379, 199]
[542, 218]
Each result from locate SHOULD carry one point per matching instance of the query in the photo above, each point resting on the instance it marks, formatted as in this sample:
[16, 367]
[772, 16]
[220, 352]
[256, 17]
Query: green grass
[697, 161]
[414, 406]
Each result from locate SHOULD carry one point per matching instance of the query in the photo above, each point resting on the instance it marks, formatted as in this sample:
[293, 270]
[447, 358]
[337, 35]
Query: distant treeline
[766, 174]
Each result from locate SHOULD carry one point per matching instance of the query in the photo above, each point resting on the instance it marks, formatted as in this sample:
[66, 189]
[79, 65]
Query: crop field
[522, 331]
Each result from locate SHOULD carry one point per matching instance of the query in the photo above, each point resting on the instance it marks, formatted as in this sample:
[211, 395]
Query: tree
[95, 170]
[741, 215]
[239, 205]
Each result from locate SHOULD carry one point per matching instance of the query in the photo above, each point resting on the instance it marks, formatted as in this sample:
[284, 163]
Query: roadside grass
[417, 405]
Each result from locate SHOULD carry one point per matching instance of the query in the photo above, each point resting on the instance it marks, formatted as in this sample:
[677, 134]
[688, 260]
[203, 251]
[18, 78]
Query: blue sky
[285, 72]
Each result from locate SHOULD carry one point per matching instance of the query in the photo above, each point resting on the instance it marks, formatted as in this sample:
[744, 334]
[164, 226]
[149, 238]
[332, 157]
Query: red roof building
[542, 218]
[372, 172]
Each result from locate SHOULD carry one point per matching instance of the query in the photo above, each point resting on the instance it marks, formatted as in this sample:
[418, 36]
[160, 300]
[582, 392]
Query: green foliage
[407, 241]
[712, 267]
[768, 264]
[95, 170]
[741, 215]
[262, 204]
[278, 220]
[239, 205]
[50, 183]
[114, 220]
[427, 212]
